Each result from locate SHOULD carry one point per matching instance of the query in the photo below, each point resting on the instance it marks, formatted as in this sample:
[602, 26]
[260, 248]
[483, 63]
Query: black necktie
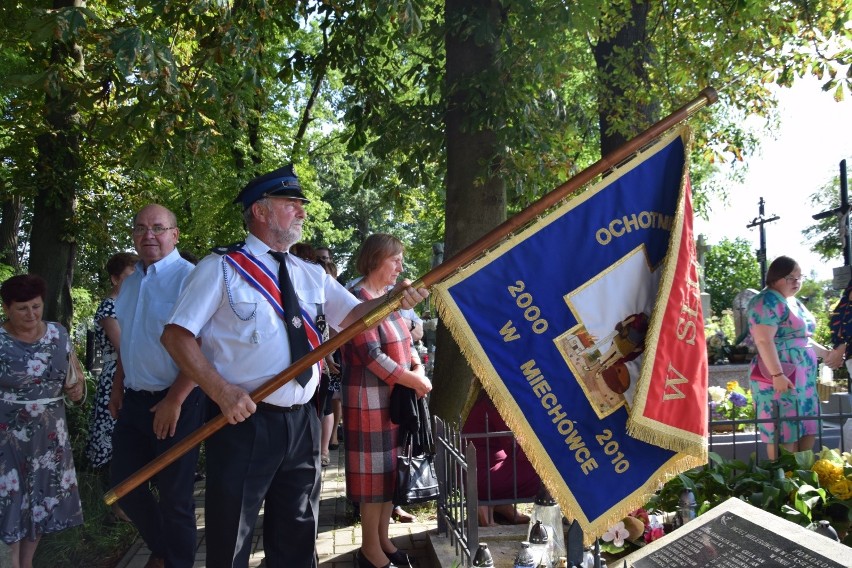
[296, 334]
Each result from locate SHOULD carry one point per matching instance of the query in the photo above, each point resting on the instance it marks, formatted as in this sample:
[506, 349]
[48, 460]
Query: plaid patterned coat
[372, 363]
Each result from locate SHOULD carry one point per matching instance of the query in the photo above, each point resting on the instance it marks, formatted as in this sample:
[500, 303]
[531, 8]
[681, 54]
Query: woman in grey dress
[38, 483]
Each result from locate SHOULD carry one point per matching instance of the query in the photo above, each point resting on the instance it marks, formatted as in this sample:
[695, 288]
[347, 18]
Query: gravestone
[437, 254]
[721, 375]
[740, 310]
[735, 534]
[701, 248]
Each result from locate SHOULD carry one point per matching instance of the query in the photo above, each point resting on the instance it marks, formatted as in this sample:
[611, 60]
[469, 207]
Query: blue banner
[553, 322]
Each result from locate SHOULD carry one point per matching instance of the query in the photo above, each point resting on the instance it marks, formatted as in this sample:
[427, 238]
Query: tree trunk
[53, 245]
[299, 138]
[625, 106]
[10, 223]
[476, 195]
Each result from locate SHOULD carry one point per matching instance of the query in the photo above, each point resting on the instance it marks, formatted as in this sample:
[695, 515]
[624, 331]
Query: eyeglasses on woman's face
[795, 279]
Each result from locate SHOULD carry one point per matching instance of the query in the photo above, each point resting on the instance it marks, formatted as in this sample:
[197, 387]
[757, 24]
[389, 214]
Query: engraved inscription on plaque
[730, 541]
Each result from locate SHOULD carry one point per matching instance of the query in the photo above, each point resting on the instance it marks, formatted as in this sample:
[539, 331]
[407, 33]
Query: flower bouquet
[639, 527]
[717, 347]
[731, 403]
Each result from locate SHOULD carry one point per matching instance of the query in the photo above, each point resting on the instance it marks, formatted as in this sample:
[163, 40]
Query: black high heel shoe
[400, 559]
[362, 562]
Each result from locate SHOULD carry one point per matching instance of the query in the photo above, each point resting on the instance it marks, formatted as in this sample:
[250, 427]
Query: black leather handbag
[416, 479]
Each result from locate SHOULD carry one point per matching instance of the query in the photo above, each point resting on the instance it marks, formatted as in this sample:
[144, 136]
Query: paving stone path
[339, 536]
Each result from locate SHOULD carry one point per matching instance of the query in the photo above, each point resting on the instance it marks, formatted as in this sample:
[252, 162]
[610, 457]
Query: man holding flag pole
[253, 305]
[668, 223]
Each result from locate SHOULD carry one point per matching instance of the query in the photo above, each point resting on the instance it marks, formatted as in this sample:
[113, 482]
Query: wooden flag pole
[437, 274]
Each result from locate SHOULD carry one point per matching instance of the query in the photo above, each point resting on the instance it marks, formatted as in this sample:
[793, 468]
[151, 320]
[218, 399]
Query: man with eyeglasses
[240, 303]
[155, 405]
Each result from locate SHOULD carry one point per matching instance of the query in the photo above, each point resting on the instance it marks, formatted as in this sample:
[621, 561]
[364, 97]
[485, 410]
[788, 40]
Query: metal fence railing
[456, 464]
[738, 439]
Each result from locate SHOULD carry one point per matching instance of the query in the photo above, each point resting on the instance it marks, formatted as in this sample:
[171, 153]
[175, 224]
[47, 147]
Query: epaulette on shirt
[225, 249]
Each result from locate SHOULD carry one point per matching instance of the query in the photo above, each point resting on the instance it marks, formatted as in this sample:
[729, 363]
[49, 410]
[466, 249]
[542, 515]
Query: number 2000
[524, 300]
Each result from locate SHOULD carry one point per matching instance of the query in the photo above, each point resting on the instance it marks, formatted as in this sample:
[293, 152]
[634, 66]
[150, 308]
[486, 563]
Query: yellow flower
[788, 474]
[841, 488]
[828, 472]
[732, 385]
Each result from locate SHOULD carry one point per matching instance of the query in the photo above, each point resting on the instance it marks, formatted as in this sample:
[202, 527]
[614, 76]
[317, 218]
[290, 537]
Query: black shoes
[400, 559]
[362, 562]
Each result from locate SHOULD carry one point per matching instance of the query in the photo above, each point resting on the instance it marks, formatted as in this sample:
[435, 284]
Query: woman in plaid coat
[374, 362]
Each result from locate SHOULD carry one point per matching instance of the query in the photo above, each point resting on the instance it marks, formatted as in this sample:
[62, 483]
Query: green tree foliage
[729, 268]
[820, 298]
[6, 271]
[85, 306]
[182, 102]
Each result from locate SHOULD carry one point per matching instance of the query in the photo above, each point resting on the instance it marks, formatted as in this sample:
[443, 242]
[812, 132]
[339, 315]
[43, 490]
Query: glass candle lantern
[546, 511]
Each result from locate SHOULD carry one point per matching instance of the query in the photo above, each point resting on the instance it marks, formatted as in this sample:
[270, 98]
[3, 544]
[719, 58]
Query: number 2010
[610, 447]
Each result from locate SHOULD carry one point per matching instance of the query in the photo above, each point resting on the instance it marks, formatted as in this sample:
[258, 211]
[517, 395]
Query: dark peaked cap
[280, 183]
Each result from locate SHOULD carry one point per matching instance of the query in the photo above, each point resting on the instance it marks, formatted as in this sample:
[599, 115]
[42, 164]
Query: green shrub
[802, 487]
[99, 543]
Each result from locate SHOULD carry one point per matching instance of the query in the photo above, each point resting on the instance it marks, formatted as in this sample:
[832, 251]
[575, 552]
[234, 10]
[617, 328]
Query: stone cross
[760, 221]
[740, 310]
[701, 248]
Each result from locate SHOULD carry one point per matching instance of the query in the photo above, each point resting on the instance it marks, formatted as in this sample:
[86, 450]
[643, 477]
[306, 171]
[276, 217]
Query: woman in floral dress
[108, 336]
[38, 483]
[782, 327]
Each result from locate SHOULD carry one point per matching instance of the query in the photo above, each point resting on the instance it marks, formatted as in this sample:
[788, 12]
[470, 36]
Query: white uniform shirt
[241, 334]
[142, 307]
[411, 315]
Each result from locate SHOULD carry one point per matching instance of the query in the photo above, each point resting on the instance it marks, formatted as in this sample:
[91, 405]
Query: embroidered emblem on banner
[604, 352]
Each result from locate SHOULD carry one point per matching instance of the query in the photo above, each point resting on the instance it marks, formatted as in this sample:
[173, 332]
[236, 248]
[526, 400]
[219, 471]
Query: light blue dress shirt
[142, 308]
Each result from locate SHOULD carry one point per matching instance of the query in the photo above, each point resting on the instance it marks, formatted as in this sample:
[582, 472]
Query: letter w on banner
[588, 323]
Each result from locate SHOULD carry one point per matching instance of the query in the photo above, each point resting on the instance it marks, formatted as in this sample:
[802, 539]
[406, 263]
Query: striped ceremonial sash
[265, 281]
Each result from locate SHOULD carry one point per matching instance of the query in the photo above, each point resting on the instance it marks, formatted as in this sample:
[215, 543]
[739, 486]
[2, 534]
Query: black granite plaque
[730, 541]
